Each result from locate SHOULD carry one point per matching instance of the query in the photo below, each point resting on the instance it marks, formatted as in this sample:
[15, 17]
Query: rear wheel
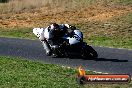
[92, 52]
[88, 51]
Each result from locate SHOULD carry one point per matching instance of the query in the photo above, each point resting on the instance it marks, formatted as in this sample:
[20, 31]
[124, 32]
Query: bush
[4, 1]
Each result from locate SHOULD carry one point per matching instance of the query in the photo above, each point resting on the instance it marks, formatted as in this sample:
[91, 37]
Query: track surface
[110, 60]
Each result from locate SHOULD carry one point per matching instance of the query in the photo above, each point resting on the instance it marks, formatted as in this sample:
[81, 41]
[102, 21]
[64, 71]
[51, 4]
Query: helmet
[55, 30]
[54, 26]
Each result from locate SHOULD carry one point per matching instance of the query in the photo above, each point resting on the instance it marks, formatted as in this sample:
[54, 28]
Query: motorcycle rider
[56, 33]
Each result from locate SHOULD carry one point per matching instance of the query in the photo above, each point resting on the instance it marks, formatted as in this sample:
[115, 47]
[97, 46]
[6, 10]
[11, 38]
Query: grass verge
[21, 73]
[17, 33]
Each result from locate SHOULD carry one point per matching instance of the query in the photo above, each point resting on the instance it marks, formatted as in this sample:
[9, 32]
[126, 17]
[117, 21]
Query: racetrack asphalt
[111, 60]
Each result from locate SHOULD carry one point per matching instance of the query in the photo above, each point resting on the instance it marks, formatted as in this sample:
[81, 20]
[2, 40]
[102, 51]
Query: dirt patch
[108, 15]
[43, 16]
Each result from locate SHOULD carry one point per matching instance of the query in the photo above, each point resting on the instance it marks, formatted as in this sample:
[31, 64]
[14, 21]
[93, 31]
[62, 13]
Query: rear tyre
[92, 52]
[88, 51]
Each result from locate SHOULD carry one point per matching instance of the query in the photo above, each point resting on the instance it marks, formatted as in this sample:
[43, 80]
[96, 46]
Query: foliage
[4, 1]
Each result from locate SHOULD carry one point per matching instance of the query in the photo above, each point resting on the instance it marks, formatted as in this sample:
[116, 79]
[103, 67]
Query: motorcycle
[64, 49]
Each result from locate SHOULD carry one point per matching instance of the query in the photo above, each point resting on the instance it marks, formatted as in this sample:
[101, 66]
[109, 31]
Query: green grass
[109, 42]
[17, 33]
[21, 73]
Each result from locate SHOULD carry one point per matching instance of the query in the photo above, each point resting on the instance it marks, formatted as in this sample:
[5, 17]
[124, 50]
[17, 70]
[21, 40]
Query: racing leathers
[55, 34]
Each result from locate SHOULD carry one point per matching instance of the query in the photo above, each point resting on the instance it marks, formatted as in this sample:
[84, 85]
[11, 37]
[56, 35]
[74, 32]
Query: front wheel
[59, 51]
